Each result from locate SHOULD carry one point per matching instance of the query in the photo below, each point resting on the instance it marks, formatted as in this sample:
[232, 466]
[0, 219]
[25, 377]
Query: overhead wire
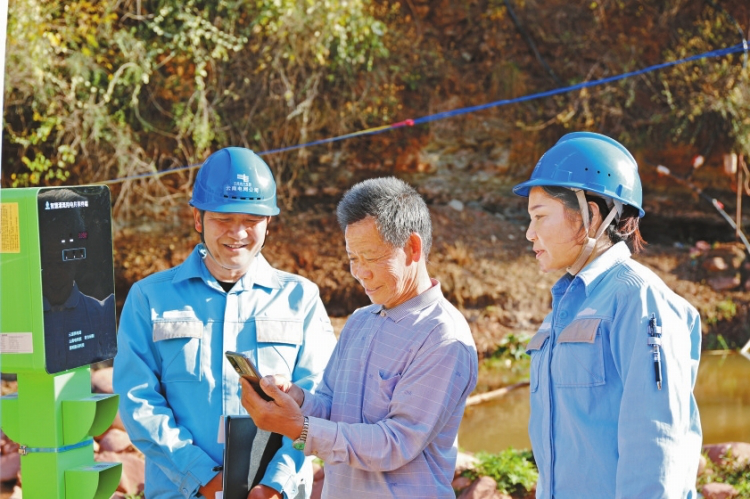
[740, 47]
[736, 25]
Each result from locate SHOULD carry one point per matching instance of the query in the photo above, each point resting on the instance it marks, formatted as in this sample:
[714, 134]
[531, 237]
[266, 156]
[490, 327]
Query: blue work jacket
[175, 383]
[599, 425]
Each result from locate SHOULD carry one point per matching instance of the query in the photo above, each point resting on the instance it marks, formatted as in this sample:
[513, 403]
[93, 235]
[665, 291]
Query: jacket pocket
[578, 359]
[378, 395]
[179, 345]
[534, 349]
[279, 342]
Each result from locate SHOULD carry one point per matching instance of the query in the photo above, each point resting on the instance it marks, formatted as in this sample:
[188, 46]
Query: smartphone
[246, 369]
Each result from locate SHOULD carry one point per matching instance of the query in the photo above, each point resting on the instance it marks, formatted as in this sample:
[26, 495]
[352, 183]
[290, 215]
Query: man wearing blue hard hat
[174, 381]
[614, 364]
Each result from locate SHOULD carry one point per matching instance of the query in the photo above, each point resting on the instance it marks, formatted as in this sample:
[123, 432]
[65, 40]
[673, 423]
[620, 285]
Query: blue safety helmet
[235, 180]
[590, 161]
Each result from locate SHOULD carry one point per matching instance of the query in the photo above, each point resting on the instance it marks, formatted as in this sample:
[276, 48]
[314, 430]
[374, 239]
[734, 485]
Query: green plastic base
[53, 418]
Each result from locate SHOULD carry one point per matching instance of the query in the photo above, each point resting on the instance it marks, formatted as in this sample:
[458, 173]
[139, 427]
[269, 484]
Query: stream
[722, 391]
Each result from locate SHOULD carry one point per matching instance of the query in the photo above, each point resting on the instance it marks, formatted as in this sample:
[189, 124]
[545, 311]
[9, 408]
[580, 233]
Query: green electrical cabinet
[57, 317]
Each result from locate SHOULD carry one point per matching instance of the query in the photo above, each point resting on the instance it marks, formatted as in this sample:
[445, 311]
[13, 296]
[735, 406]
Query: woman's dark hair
[626, 229]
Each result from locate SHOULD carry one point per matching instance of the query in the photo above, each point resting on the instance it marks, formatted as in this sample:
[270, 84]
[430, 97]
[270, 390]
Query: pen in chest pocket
[654, 339]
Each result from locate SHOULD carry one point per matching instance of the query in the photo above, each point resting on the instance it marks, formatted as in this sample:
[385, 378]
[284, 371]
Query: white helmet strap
[588, 248]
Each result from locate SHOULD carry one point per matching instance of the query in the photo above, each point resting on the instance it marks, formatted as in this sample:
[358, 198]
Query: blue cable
[740, 47]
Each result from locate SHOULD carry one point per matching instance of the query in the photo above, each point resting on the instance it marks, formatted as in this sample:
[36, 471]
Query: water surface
[722, 392]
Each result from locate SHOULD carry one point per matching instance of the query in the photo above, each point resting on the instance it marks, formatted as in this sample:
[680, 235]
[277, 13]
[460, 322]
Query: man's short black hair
[397, 208]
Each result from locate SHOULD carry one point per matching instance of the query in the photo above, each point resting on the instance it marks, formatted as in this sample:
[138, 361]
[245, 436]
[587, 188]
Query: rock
[483, 487]
[319, 474]
[724, 283]
[133, 468]
[722, 265]
[718, 491]
[8, 446]
[715, 264]
[115, 440]
[702, 245]
[701, 465]
[464, 462]
[10, 459]
[9, 386]
[734, 454]
[317, 490]
[101, 380]
[117, 422]
[17, 494]
[456, 205]
[461, 482]
[732, 253]
[10, 465]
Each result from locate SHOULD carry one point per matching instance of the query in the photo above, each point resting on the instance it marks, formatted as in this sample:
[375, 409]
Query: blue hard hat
[592, 162]
[235, 180]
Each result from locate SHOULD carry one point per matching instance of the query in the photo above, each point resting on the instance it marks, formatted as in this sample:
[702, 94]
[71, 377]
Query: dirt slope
[482, 259]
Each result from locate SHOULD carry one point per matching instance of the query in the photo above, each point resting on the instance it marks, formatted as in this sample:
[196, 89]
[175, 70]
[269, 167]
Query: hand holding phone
[246, 369]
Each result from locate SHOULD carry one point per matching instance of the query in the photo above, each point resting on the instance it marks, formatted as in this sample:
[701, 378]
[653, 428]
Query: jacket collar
[260, 272]
[594, 271]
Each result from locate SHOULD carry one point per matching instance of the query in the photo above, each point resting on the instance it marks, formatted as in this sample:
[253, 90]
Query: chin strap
[588, 248]
[204, 250]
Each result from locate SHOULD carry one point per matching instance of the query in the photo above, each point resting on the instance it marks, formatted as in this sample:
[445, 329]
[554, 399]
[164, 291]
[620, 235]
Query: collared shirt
[599, 425]
[175, 383]
[385, 417]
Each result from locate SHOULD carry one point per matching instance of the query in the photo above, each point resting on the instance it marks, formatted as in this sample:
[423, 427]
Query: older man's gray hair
[397, 208]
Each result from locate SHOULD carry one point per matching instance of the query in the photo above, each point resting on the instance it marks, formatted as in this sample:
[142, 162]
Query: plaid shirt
[385, 417]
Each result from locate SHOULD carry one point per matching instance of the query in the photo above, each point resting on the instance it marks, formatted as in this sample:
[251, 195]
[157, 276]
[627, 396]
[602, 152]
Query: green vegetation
[731, 472]
[507, 365]
[724, 311]
[99, 90]
[511, 348]
[513, 470]
[717, 342]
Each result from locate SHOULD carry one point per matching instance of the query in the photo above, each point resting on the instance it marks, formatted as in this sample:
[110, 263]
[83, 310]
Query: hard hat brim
[524, 188]
[238, 207]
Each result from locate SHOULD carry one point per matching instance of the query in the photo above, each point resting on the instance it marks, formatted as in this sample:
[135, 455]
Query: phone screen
[246, 369]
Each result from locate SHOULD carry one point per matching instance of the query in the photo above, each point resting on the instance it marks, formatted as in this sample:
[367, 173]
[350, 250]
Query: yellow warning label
[10, 237]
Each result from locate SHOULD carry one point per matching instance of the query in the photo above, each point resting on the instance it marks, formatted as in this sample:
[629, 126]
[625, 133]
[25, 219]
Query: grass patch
[514, 470]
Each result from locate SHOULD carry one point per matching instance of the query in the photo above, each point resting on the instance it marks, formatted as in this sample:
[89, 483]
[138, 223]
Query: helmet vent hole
[242, 198]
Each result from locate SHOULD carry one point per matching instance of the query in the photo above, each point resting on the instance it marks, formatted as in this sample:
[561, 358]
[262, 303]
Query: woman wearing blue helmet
[614, 364]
